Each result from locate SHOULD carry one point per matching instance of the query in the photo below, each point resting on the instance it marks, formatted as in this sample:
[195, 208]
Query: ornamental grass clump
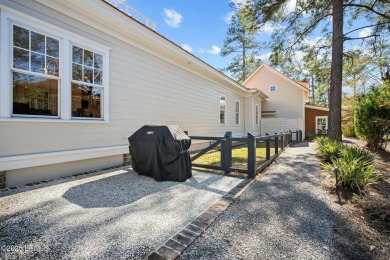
[329, 149]
[356, 168]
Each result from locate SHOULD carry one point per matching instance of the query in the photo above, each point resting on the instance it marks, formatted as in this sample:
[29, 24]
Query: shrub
[352, 152]
[348, 130]
[321, 139]
[329, 149]
[356, 166]
[355, 173]
[372, 114]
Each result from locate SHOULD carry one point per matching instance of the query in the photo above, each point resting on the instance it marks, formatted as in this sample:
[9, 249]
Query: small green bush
[329, 149]
[349, 130]
[352, 152]
[355, 173]
[321, 139]
[356, 165]
[372, 114]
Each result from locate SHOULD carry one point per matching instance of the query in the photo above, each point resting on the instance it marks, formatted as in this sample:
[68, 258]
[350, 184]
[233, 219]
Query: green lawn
[239, 156]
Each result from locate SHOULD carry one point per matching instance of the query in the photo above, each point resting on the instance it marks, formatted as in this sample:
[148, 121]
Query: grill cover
[161, 152]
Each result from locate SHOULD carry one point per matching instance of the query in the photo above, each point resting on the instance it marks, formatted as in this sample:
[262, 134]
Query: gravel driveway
[112, 215]
[284, 215]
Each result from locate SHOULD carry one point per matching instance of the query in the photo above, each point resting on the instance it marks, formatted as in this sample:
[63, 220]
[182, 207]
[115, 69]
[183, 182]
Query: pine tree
[243, 45]
[306, 16]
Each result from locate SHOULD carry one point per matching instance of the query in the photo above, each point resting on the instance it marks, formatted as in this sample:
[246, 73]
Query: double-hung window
[51, 73]
[87, 83]
[35, 73]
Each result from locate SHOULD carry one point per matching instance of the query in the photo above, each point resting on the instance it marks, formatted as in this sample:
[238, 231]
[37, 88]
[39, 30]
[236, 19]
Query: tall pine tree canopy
[241, 43]
[320, 29]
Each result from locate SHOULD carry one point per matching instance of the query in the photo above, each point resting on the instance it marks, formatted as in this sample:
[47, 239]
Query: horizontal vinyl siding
[144, 89]
[287, 100]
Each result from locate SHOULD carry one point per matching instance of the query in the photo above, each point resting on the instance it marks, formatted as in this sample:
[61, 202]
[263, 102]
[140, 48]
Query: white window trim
[219, 110]
[319, 117]
[10, 17]
[269, 88]
[257, 116]
[235, 111]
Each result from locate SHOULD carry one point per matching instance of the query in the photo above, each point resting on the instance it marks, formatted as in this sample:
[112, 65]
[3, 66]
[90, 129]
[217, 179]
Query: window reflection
[33, 95]
[86, 101]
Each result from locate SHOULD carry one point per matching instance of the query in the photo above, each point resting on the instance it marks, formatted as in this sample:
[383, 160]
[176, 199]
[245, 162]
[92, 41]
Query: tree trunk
[336, 74]
[243, 62]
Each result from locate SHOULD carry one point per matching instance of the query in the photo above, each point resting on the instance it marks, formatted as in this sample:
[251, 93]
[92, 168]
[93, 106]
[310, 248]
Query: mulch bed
[365, 231]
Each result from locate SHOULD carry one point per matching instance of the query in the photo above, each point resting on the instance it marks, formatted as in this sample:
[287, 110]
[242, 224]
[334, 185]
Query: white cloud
[265, 57]
[187, 47]
[269, 28]
[214, 50]
[290, 6]
[298, 56]
[228, 17]
[315, 41]
[365, 32]
[172, 18]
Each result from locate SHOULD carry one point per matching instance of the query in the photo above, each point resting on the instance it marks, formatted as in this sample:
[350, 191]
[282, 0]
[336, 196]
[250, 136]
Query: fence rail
[249, 154]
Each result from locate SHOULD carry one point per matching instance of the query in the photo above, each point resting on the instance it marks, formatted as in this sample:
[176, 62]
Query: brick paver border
[174, 246]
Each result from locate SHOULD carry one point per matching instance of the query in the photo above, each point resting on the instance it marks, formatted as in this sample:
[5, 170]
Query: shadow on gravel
[129, 187]
[278, 217]
[66, 226]
[37, 236]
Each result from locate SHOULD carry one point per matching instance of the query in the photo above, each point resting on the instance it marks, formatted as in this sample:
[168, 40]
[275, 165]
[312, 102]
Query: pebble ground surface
[116, 214]
[284, 215]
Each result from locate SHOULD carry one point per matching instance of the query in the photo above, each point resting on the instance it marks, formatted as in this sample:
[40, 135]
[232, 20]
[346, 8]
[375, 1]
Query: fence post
[282, 140]
[300, 135]
[290, 137]
[226, 148]
[267, 148]
[251, 155]
[297, 135]
[276, 144]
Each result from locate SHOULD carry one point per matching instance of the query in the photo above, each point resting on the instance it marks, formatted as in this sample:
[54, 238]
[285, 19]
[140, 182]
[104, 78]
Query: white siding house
[285, 108]
[79, 77]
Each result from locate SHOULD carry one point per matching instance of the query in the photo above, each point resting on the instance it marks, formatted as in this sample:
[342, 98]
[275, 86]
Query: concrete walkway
[284, 215]
[116, 214]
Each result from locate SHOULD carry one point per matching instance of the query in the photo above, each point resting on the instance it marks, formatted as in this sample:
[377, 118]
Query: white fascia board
[8, 163]
[280, 74]
[277, 73]
[253, 73]
[152, 42]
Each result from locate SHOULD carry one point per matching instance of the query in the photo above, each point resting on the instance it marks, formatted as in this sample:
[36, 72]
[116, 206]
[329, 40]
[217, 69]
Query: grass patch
[239, 156]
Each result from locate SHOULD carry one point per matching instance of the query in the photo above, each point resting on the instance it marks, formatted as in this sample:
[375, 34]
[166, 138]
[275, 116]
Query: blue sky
[197, 25]
[200, 26]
